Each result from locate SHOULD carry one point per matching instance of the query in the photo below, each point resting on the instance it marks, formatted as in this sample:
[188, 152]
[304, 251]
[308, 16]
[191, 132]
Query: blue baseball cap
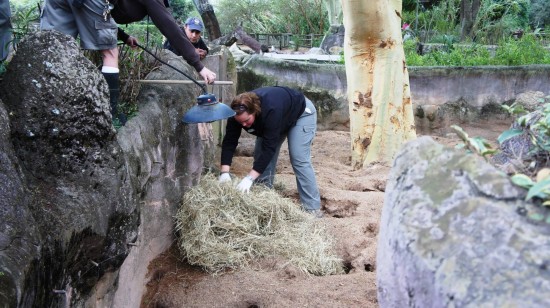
[194, 23]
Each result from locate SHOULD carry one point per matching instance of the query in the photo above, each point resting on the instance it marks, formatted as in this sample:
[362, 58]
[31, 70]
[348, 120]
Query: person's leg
[98, 33]
[268, 176]
[6, 30]
[57, 15]
[111, 73]
[300, 138]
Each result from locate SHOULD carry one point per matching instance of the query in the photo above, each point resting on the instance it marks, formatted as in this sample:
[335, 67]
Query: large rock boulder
[85, 207]
[455, 232]
[17, 232]
[333, 42]
[78, 211]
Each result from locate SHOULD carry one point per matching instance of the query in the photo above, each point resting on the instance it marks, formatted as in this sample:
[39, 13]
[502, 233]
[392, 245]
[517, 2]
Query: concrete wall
[436, 91]
[477, 86]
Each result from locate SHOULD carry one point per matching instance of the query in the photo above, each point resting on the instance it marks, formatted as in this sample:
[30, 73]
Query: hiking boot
[119, 118]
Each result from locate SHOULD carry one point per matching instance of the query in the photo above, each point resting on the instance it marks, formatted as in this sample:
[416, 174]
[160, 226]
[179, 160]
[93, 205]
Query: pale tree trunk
[334, 9]
[209, 18]
[380, 107]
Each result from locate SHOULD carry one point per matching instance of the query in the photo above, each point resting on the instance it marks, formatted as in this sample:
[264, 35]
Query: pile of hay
[221, 228]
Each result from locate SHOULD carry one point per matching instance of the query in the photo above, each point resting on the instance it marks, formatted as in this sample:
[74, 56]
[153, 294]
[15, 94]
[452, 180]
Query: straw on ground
[221, 228]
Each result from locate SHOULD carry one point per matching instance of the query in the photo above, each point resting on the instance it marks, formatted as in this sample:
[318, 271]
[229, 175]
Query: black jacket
[281, 108]
[199, 44]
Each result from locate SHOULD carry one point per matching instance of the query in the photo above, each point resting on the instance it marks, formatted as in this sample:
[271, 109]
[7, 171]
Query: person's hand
[132, 41]
[224, 177]
[245, 184]
[201, 52]
[208, 75]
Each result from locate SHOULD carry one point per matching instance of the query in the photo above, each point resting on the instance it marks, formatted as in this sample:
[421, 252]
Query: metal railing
[288, 40]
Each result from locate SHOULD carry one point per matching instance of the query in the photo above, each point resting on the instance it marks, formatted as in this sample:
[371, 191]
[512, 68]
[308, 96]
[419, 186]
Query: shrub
[537, 127]
[525, 51]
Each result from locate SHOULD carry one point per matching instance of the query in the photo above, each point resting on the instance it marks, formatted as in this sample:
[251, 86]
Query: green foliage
[537, 127]
[525, 51]
[182, 9]
[25, 17]
[474, 144]
[248, 14]
[265, 16]
[134, 65]
[535, 189]
[23, 5]
[497, 19]
[409, 5]
[146, 32]
[24, 20]
[538, 130]
[463, 55]
[427, 24]
[539, 14]
[538, 188]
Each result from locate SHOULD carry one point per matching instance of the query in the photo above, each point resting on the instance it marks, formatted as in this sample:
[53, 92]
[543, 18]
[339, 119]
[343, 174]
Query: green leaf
[489, 152]
[536, 216]
[460, 132]
[546, 147]
[481, 145]
[509, 134]
[523, 120]
[522, 180]
[476, 144]
[540, 189]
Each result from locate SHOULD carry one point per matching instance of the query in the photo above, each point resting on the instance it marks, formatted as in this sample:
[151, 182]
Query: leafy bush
[25, 18]
[265, 16]
[539, 14]
[525, 51]
[497, 19]
[182, 9]
[538, 158]
[534, 166]
[146, 33]
[427, 24]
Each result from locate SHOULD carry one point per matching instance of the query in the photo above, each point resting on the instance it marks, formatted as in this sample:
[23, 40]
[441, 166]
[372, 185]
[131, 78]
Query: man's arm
[167, 25]
[126, 38]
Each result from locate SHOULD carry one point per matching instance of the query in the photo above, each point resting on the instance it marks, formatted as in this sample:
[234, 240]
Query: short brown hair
[247, 101]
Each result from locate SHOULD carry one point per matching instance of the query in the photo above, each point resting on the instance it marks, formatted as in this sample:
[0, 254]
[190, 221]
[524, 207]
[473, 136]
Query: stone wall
[438, 93]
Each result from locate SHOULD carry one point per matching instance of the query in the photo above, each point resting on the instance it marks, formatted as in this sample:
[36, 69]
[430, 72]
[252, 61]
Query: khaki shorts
[86, 22]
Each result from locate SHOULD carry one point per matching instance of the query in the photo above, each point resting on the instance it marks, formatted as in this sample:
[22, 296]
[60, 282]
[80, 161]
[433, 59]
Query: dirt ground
[351, 201]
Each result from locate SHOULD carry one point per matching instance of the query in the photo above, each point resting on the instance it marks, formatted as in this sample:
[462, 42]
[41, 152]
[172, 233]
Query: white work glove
[245, 184]
[224, 177]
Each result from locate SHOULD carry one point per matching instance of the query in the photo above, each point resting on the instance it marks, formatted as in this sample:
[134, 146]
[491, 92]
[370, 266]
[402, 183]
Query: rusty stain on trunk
[363, 100]
[388, 43]
[366, 143]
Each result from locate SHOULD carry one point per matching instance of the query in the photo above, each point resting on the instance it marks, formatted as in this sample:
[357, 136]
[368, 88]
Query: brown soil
[352, 201]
